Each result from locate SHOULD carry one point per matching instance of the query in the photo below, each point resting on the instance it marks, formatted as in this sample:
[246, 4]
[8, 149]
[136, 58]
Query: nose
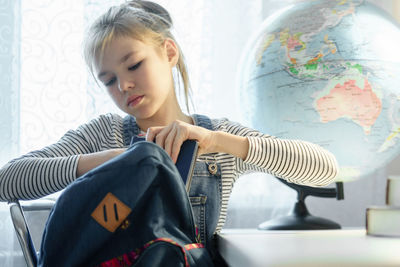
[125, 84]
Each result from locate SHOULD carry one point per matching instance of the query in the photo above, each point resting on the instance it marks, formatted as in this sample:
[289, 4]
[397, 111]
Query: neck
[164, 117]
[166, 120]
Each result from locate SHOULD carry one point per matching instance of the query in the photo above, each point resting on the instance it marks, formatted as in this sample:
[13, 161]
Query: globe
[327, 72]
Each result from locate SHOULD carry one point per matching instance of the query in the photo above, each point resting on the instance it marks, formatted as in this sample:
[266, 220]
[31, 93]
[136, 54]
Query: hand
[171, 137]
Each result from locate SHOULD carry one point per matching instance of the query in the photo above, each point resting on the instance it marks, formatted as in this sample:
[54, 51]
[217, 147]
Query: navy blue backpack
[130, 211]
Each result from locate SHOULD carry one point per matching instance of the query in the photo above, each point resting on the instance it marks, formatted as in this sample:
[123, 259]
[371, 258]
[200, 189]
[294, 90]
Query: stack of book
[385, 220]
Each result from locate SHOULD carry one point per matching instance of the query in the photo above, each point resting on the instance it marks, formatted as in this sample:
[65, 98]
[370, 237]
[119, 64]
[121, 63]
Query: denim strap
[202, 121]
[130, 129]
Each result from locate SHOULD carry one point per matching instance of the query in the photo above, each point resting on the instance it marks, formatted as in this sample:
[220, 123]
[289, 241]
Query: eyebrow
[123, 59]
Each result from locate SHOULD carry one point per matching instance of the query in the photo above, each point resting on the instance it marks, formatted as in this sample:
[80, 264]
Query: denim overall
[205, 191]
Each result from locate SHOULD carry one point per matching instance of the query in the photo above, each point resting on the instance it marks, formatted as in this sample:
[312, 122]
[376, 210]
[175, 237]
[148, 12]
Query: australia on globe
[327, 72]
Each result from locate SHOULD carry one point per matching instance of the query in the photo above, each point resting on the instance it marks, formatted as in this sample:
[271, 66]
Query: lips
[134, 100]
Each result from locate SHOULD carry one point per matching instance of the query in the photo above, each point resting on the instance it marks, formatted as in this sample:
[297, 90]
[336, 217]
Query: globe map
[328, 72]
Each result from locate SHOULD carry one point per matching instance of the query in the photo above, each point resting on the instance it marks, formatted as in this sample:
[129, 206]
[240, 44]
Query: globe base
[299, 219]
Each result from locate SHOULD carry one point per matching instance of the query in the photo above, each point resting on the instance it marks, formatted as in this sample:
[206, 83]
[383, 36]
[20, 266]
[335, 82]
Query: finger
[161, 135]
[176, 149]
[178, 141]
[152, 132]
[169, 141]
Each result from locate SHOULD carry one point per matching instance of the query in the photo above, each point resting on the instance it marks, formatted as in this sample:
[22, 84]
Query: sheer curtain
[45, 88]
[56, 93]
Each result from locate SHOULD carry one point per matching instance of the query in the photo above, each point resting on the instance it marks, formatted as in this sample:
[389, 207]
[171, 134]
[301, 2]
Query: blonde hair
[141, 20]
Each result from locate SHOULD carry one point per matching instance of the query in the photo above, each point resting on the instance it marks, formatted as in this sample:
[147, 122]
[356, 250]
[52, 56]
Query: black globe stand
[300, 218]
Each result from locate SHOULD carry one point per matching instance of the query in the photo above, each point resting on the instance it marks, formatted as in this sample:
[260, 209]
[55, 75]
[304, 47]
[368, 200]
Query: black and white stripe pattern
[293, 160]
[52, 168]
[42, 172]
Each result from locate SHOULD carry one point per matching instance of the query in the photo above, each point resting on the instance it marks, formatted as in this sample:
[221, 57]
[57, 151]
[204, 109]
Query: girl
[131, 51]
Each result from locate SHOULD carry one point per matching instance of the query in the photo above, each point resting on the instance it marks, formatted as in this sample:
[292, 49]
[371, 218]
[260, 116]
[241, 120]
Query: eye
[134, 67]
[110, 82]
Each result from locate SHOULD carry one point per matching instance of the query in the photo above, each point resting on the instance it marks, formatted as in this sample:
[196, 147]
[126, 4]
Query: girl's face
[138, 76]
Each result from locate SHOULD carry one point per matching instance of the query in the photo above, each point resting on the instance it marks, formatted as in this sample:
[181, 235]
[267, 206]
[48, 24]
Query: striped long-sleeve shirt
[42, 172]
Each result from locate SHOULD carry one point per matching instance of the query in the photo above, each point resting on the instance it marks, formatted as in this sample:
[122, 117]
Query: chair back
[23, 235]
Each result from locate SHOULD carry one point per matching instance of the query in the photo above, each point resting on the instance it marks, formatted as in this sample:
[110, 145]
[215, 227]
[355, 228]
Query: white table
[348, 247]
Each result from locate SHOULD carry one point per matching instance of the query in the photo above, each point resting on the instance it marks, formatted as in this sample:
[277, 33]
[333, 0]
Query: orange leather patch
[111, 212]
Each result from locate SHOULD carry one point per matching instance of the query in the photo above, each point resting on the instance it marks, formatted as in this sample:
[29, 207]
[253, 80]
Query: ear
[172, 51]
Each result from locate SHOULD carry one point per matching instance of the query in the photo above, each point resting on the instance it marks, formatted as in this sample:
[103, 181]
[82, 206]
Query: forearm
[235, 145]
[31, 178]
[294, 160]
[90, 161]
